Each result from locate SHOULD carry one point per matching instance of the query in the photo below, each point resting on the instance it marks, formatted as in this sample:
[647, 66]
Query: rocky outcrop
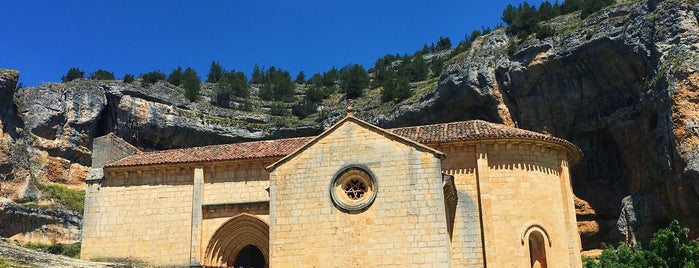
[24, 257]
[621, 84]
[39, 225]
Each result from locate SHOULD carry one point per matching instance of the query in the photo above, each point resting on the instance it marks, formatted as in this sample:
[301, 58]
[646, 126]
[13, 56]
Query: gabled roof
[350, 118]
[427, 134]
[234, 151]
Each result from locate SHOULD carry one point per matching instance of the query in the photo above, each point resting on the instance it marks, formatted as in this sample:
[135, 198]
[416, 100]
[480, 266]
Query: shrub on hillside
[229, 85]
[277, 85]
[669, 247]
[101, 75]
[176, 76]
[153, 77]
[354, 80]
[73, 73]
[216, 72]
[129, 78]
[278, 109]
[191, 84]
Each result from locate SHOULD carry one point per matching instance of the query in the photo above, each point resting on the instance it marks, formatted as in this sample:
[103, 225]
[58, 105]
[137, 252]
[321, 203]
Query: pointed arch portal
[241, 241]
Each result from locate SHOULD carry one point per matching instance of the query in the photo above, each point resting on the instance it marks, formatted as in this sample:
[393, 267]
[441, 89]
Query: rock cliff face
[621, 84]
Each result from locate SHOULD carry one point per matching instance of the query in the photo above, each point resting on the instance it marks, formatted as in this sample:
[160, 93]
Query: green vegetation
[276, 85]
[394, 78]
[258, 76]
[442, 44]
[669, 247]
[354, 80]
[216, 72]
[176, 76]
[8, 263]
[278, 109]
[300, 78]
[396, 89]
[525, 19]
[153, 77]
[73, 73]
[229, 85]
[129, 78]
[73, 199]
[191, 84]
[69, 250]
[101, 75]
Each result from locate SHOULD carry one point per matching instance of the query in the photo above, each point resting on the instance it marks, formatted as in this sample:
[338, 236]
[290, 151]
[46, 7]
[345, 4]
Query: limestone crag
[48, 130]
[39, 225]
[621, 84]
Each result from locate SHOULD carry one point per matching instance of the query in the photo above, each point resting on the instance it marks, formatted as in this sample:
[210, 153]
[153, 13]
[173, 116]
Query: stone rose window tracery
[353, 188]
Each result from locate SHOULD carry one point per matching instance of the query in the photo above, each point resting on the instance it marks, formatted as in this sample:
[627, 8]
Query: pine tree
[153, 77]
[443, 44]
[231, 84]
[129, 78]
[258, 76]
[277, 85]
[191, 84]
[300, 78]
[354, 80]
[101, 75]
[508, 15]
[73, 73]
[215, 72]
[176, 76]
[330, 77]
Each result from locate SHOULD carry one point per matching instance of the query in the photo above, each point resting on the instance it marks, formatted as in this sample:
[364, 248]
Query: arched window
[537, 250]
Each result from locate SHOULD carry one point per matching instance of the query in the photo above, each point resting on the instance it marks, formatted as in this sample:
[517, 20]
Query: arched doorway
[250, 256]
[242, 240]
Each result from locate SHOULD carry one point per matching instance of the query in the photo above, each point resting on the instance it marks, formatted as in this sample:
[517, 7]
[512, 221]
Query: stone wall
[525, 186]
[405, 225]
[466, 243]
[236, 182]
[145, 215]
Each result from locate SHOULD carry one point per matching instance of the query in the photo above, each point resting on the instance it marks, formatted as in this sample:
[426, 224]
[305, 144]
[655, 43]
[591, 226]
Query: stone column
[195, 250]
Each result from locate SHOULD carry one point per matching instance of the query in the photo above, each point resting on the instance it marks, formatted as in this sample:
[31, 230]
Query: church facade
[462, 194]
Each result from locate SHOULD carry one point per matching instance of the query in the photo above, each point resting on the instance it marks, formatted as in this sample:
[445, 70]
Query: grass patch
[7, 263]
[69, 250]
[73, 199]
[127, 262]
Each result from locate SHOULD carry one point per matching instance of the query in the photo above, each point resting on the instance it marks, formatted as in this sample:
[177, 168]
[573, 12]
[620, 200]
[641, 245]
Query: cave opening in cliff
[104, 121]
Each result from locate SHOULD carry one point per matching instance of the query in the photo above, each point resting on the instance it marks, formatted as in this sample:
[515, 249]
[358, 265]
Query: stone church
[461, 194]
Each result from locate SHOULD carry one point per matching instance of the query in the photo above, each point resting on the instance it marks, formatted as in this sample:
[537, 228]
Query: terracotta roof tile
[465, 130]
[437, 133]
[477, 129]
[245, 150]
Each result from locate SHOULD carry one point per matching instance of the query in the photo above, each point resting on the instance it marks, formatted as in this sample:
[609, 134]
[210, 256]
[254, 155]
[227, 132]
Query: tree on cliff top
[73, 73]
[176, 76]
[153, 77]
[191, 84]
[216, 72]
[354, 80]
[101, 75]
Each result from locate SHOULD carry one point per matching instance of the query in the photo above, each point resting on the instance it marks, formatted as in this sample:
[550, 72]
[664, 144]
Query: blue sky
[43, 39]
